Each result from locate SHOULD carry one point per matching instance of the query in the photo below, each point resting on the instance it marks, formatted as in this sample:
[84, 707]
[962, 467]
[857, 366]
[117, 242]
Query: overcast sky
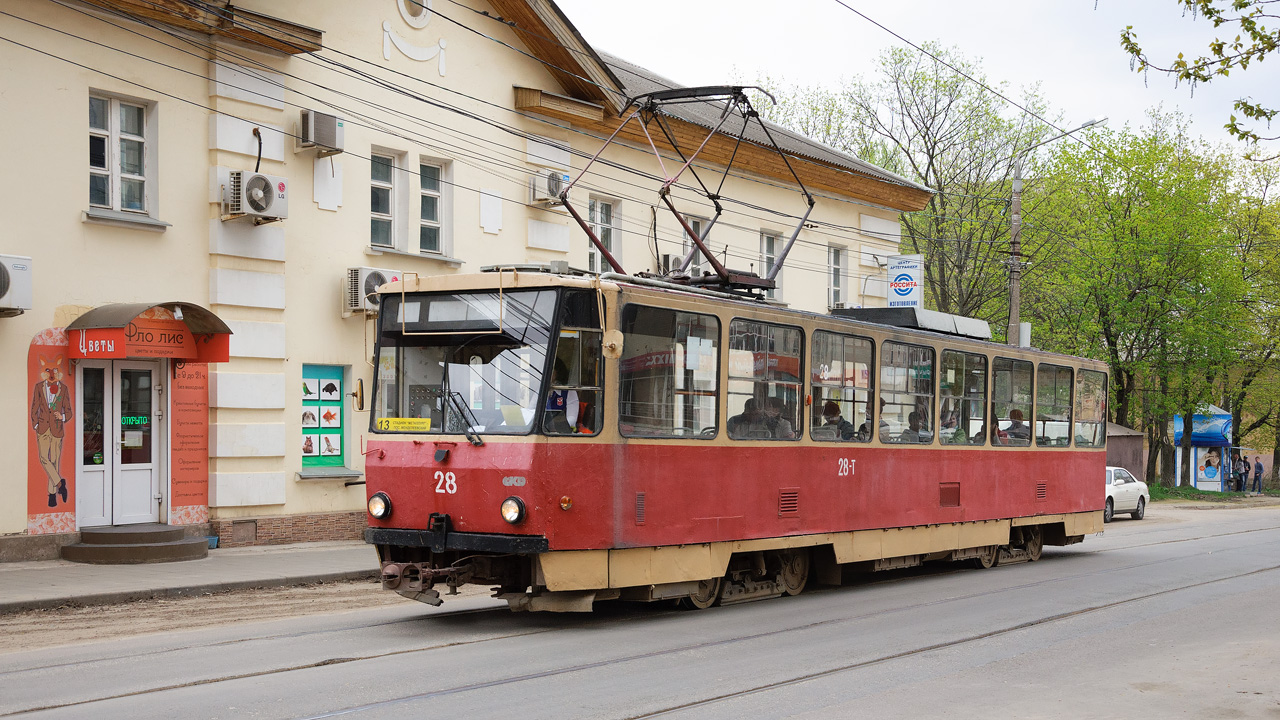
[1071, 47]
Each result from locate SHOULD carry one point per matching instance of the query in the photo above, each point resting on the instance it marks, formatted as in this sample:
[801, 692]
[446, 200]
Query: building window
[669, 373]
[906, 399]
[119, 156]
[698, 264]
[1053, 406]
[429, 229]
[323, 417]
[842, 386]
[962, 396]
[836, 265]
[382, 201]
[770, 246]
[764, 381]
[600, 218]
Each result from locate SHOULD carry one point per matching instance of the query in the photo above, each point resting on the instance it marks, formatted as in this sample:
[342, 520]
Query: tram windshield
[453, 363]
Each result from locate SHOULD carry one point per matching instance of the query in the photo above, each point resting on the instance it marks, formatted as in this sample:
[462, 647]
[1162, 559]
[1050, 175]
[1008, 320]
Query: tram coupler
[415, 580]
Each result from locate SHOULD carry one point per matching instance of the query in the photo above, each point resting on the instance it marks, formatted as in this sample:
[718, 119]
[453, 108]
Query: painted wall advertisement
[906, 281]
[51, 441]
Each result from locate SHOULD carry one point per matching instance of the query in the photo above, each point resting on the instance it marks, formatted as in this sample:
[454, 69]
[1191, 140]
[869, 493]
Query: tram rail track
[590, 620]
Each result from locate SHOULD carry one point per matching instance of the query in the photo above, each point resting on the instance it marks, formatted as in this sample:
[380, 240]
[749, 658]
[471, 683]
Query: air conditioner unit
[264, 198]
[15, 285]
[361, 286]
[837, 306]
[323, 131]
[545, 187]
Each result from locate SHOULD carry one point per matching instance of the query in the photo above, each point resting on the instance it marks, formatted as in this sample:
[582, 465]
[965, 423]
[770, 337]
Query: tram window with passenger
[464, 362]
[962, 399]
[842, 386]
[573, 400]
[1011, 387]
[764, 381]
[1053, 406]
[906, 393]
[1091, 409]
[670, 373]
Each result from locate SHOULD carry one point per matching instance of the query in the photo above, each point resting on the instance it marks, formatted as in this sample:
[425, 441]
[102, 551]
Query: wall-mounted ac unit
[15, 285]
[264, 198]
[545, 187]
[322, 131]
[360, 288]
[837, 306]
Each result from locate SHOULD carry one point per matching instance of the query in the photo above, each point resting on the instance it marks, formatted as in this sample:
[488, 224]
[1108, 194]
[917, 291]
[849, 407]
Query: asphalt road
[1172, 616]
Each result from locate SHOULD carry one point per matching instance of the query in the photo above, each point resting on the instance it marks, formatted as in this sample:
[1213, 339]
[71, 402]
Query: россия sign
[906, 278]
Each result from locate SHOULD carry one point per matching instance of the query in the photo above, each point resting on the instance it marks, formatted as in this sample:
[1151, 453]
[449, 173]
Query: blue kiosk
[1210, 448]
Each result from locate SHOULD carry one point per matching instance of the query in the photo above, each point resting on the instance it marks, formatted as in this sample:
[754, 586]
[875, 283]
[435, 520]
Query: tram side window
[841, 377]
[1091, 409]
[962, 396]
[1053, 406]
[670, 373]
[573, 397]
[764, 381]
[1011, 384]
[906, 393]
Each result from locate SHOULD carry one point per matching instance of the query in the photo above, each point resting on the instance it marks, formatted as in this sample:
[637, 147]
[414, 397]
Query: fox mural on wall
[50, 411]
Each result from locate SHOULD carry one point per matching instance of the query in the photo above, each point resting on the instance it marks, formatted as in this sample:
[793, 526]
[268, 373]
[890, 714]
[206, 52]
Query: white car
[1125, 493]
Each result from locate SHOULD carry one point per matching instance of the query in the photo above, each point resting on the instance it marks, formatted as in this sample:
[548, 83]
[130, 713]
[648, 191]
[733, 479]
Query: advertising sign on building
[906, 281]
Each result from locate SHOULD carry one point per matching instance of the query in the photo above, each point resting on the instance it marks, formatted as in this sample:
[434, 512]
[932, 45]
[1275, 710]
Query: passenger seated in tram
[1017, 430]
[831, 417]
[778, 426]
[913, 434]
[750, 423]
[886, 433]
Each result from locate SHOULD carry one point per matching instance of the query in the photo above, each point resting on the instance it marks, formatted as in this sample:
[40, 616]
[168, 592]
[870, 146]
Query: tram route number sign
[404, 424]
[845, 467]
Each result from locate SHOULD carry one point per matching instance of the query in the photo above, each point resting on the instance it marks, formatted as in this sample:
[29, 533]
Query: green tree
[1145, 276]
[915, 116]
[1253, 43]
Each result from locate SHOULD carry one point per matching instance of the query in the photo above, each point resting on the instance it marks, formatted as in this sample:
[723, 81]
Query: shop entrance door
[119, 442]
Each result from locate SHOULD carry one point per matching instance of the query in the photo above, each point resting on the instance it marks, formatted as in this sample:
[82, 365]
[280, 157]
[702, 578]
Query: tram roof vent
[920, 319]
[555, 267]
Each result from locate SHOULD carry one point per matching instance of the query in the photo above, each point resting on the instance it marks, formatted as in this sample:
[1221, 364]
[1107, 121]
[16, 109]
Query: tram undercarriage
[753, 571]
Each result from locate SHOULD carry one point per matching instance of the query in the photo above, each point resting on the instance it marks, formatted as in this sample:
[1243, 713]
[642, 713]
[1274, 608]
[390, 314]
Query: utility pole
[1015, 234]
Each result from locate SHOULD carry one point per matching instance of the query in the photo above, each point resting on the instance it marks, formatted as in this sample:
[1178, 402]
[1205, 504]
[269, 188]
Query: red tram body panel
[500, 453]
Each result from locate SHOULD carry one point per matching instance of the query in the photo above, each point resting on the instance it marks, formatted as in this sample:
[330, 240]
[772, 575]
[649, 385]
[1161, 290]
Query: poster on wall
[189, 452]
[51, 466]
[906, 276]
[323, 416]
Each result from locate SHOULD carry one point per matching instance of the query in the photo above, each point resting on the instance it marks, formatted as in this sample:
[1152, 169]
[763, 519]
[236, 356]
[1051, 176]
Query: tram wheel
[795, 570]
[706, 596]
[988, 557]
[1032, 542]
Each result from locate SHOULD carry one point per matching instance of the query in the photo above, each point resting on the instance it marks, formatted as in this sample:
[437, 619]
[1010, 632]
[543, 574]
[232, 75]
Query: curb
[124, 596]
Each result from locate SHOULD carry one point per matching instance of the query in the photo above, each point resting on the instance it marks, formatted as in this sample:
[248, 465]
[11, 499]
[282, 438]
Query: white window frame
[438, 194]
[699, 263]
[595, 261]
[391, 187]
[112, 134]
[837, 275]
[768, 258]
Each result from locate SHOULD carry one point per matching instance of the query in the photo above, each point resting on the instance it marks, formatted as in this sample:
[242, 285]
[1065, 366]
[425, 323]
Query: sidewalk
[53, 583]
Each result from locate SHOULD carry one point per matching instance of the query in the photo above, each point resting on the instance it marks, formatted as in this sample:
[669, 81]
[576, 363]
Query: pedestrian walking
[1238, 472]
[1257, 474]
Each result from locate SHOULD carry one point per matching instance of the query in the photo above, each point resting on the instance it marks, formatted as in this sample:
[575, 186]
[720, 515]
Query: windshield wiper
[469, 421]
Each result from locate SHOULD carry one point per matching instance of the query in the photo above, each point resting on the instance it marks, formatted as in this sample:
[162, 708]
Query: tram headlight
[512, 510]
[380, 505]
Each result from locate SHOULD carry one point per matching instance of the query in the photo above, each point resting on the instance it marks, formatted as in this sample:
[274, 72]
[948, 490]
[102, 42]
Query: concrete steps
[133, 544]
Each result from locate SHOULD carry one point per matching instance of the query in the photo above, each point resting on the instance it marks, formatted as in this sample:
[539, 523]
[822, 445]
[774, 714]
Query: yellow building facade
[191, 335]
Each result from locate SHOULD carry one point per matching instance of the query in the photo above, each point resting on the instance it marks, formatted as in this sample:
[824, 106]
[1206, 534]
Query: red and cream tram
[567, 439]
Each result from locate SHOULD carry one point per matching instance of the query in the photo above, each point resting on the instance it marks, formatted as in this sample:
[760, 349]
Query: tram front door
[119, 440]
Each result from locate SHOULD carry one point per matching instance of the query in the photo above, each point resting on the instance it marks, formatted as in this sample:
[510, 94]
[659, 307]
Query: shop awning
[175, 330]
